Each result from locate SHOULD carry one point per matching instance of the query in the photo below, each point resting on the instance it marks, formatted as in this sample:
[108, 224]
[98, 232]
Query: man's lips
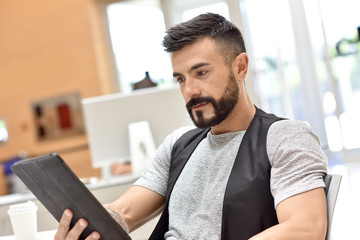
[200, 105]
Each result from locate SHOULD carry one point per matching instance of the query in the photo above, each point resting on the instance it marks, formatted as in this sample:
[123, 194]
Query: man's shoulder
[288, 135]
[286, 126]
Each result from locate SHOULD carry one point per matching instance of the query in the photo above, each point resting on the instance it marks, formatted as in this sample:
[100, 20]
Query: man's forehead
[202, 42]
[196, 53]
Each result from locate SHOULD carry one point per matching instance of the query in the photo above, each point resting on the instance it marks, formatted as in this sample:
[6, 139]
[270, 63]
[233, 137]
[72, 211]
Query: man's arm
[303, 216]
[134, 208]
[137, 206]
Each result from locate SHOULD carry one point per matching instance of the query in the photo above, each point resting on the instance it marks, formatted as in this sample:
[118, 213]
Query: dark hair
[227, 36]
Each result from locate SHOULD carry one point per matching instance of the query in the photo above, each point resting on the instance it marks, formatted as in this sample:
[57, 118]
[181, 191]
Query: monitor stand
[142, 146]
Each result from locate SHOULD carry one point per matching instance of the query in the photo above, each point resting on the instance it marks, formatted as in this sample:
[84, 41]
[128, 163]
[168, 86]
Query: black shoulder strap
[182, 150]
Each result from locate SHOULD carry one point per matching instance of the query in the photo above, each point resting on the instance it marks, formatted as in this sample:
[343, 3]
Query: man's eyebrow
[196, 66]
[199, 65]
[175, 74]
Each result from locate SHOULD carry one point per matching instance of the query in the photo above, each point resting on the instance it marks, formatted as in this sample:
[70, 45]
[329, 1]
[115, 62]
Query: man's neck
[239, 119]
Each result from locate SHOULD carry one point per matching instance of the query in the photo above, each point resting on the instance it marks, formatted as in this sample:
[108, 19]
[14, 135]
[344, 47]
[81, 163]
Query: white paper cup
[23, 219]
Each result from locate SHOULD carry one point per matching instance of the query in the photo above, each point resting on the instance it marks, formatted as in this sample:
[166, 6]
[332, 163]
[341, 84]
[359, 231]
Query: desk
[141, 233]
[46, 235]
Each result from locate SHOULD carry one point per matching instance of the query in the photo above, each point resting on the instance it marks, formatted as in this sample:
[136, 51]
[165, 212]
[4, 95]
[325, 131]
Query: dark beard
[222, 107]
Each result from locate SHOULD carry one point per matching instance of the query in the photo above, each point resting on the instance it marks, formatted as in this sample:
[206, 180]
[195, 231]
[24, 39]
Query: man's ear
[240, 66]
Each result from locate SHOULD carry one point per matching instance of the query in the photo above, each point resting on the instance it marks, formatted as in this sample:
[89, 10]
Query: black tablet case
[51, 180]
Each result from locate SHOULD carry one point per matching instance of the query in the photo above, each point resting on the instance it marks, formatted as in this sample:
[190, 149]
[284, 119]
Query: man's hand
[64, 233]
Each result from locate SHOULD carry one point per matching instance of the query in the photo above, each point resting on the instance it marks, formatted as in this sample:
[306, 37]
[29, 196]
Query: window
[136, 30]
[273, 49]
[219, 8]
[307, 64]
[337, 50]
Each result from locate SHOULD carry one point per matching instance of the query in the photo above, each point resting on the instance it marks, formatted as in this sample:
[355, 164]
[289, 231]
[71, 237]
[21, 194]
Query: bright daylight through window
[337, 48]
[220, 8]
[283, 81]
[136, 30]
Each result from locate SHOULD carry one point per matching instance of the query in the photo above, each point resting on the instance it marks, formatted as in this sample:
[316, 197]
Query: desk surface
[40, 236]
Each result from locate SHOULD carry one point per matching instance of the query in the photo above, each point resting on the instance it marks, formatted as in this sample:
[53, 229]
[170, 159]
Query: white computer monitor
[107, 118]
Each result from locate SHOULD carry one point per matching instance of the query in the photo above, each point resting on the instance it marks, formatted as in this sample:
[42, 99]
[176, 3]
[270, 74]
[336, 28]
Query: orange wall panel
[47, 49]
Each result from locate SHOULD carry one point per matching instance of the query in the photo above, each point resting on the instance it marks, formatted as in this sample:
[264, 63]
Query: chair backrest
[332, 183]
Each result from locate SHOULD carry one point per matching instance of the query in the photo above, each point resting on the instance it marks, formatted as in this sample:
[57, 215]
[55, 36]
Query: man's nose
[191, 89]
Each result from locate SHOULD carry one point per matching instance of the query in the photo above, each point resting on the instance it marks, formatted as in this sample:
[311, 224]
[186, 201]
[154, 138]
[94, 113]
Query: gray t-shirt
[195, 206]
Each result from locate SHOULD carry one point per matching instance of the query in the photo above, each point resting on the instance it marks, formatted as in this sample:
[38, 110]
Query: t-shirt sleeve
[156, 176]
[298, 162]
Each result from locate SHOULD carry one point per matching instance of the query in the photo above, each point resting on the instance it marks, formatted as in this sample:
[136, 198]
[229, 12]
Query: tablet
[57, 187]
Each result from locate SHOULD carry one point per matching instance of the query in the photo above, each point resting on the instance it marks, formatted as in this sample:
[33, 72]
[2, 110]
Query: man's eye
[201, 73]
[179, 79]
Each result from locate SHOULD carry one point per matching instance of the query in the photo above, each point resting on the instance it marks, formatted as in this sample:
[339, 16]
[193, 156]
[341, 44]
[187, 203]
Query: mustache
[195, 101]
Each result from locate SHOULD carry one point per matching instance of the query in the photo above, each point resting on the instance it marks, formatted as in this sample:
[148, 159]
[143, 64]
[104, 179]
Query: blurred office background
[304, 64]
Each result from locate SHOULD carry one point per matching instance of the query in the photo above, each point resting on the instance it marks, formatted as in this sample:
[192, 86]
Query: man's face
[222, 107]
[209, 88]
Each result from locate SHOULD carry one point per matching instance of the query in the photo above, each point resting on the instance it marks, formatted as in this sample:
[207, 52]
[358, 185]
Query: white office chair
[332, 183]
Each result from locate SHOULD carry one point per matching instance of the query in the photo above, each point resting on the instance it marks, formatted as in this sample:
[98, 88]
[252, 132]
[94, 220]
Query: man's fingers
[78, 228]
[64, 225]
[64, 232]
[93, 236]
